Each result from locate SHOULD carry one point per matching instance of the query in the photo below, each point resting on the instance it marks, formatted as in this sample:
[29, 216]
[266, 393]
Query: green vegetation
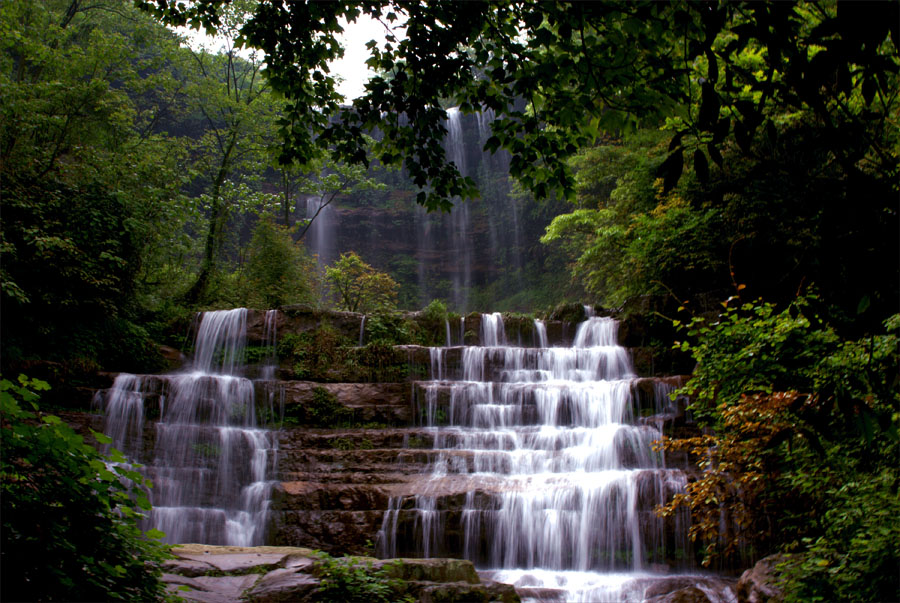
[354, 580]
[69, 514]
[325, 411]
[696, 151]
[278, 268]
[358, 287]
[803, 453]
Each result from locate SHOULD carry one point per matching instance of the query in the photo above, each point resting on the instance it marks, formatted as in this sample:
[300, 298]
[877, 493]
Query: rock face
[759, 584]
[269, 574]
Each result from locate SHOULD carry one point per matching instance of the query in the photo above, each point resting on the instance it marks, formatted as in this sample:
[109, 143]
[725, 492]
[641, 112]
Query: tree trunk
[218, 215]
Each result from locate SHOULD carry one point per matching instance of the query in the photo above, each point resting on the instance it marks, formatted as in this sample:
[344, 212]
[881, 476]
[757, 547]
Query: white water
[542, 473]
[459, 218]
[321, 238]
[210, 462]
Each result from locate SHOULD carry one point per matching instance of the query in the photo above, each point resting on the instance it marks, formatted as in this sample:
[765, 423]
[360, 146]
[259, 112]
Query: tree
[239, 112]
[90, 182]
[360, 288]
[578, 67]
[278, 269]
[322, 178]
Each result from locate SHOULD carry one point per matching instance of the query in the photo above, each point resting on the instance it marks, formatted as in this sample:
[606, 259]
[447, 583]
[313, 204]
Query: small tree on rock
[359, 287]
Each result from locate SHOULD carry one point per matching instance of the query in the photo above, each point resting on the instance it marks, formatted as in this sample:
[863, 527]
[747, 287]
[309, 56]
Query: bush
[803, 455]
[358, 287]
[278, 269]
[326, 411]
[436, 311]
[69, 515]
[352, 580]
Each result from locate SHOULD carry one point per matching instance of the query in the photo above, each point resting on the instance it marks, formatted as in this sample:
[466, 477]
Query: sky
[351, 69]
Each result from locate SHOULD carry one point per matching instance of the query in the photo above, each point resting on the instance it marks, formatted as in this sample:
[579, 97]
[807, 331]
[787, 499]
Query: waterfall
[459, 217]
[492, 331]
[542, 473]
[321, 238]
[208, 460]
[540, 332]
[270, 336]
[362, 331]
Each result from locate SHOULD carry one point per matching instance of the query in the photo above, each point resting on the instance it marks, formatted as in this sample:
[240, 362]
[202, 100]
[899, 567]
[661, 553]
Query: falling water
[542, 474]
[540, 332]
[209, 462]
[459, 217]
[362, 330]
[321, 238]
[270, 336]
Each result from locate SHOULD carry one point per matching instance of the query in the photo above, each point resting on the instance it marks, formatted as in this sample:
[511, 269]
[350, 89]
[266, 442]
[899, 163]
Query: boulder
[430, 570]
[759, 584]
[283, 585]
[231, 574]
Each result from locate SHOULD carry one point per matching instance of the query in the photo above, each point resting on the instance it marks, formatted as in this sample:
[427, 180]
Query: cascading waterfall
[543, 473]
[209, 462]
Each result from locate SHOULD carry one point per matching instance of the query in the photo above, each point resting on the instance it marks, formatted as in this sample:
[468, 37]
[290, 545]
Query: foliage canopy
[556, 74]
[360, 288]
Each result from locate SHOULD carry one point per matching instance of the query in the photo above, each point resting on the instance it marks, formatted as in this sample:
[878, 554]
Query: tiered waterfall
[209, 463]
[544, 471]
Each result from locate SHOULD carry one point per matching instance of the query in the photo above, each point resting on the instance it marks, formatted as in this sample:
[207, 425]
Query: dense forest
[727, 170]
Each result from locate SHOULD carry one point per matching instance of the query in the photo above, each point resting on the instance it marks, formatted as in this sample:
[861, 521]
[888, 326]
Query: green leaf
[101, 438]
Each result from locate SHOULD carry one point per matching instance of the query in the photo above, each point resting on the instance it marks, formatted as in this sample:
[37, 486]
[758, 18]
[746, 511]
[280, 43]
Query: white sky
[351, 69]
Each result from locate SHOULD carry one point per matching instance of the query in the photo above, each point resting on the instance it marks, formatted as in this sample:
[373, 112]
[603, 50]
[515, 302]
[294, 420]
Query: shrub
[353, 580]
[278, 269]
[69, 514]
[436, 311]
[326, 411]
[803, 455]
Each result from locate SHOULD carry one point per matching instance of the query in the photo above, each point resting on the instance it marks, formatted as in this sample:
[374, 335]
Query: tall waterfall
[459, 217]
[208, 460]
[543, 473]
[321, 238]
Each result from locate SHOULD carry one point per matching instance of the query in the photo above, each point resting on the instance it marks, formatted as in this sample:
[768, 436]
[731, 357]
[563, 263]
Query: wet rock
[759, 584]
[461, 591]
[283, 585]
[285, 574]
[173, 358]
[236, 563]
[299, 319]
[187, 567]
[369, 402]
[690, 594]
[690, 589]
[430, 570]
[334, 531]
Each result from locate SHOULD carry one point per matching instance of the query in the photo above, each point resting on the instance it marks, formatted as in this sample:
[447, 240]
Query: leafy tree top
[557, 74]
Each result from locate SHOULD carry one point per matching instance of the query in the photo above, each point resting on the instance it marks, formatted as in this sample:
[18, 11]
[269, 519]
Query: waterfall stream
[209, 462]
[544, 474]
